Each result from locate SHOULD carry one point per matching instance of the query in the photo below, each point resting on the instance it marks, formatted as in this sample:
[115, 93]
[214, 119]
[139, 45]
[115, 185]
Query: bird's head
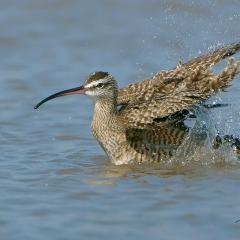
[98, 85]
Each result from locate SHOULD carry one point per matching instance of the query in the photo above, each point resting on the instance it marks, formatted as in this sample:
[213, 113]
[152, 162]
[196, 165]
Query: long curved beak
[77, 90]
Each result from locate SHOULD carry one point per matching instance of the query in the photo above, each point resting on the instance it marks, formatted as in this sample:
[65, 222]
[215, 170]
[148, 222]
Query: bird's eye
[100, 85]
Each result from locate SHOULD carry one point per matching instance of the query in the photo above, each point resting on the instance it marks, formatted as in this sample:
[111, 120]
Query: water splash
[198, 146]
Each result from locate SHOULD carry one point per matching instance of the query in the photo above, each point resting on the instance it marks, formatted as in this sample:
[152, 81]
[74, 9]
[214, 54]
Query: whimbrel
[143, 121]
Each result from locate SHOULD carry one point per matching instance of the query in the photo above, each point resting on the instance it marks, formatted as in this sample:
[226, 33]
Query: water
[55, 181]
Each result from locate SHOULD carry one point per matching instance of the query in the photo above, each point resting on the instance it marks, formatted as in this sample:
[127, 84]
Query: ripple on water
[55, 181]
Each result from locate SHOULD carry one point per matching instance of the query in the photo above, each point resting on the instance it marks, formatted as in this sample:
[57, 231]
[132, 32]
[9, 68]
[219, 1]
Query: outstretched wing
[169, 92]
[193, 73]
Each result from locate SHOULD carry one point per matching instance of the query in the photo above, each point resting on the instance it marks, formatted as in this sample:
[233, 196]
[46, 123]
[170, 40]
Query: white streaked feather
[95, 83]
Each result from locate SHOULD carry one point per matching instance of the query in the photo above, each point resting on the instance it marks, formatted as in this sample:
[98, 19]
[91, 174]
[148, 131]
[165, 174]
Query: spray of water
[199, 146]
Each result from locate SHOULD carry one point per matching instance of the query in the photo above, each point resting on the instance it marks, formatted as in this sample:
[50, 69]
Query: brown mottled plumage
[171, 91]
[143, 121]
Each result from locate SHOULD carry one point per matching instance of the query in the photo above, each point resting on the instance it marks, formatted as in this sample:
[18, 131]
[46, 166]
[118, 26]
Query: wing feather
[184, 75]
[169, 92]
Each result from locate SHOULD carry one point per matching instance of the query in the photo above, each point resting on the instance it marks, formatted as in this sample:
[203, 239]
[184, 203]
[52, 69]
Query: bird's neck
[106, 126]
[104, 116]
[104, 109]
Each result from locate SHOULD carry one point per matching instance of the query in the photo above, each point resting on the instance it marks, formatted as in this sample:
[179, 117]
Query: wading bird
[143, 122]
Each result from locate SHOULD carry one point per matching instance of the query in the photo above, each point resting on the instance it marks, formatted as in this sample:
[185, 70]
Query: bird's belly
[125, 154]
[121, 151]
